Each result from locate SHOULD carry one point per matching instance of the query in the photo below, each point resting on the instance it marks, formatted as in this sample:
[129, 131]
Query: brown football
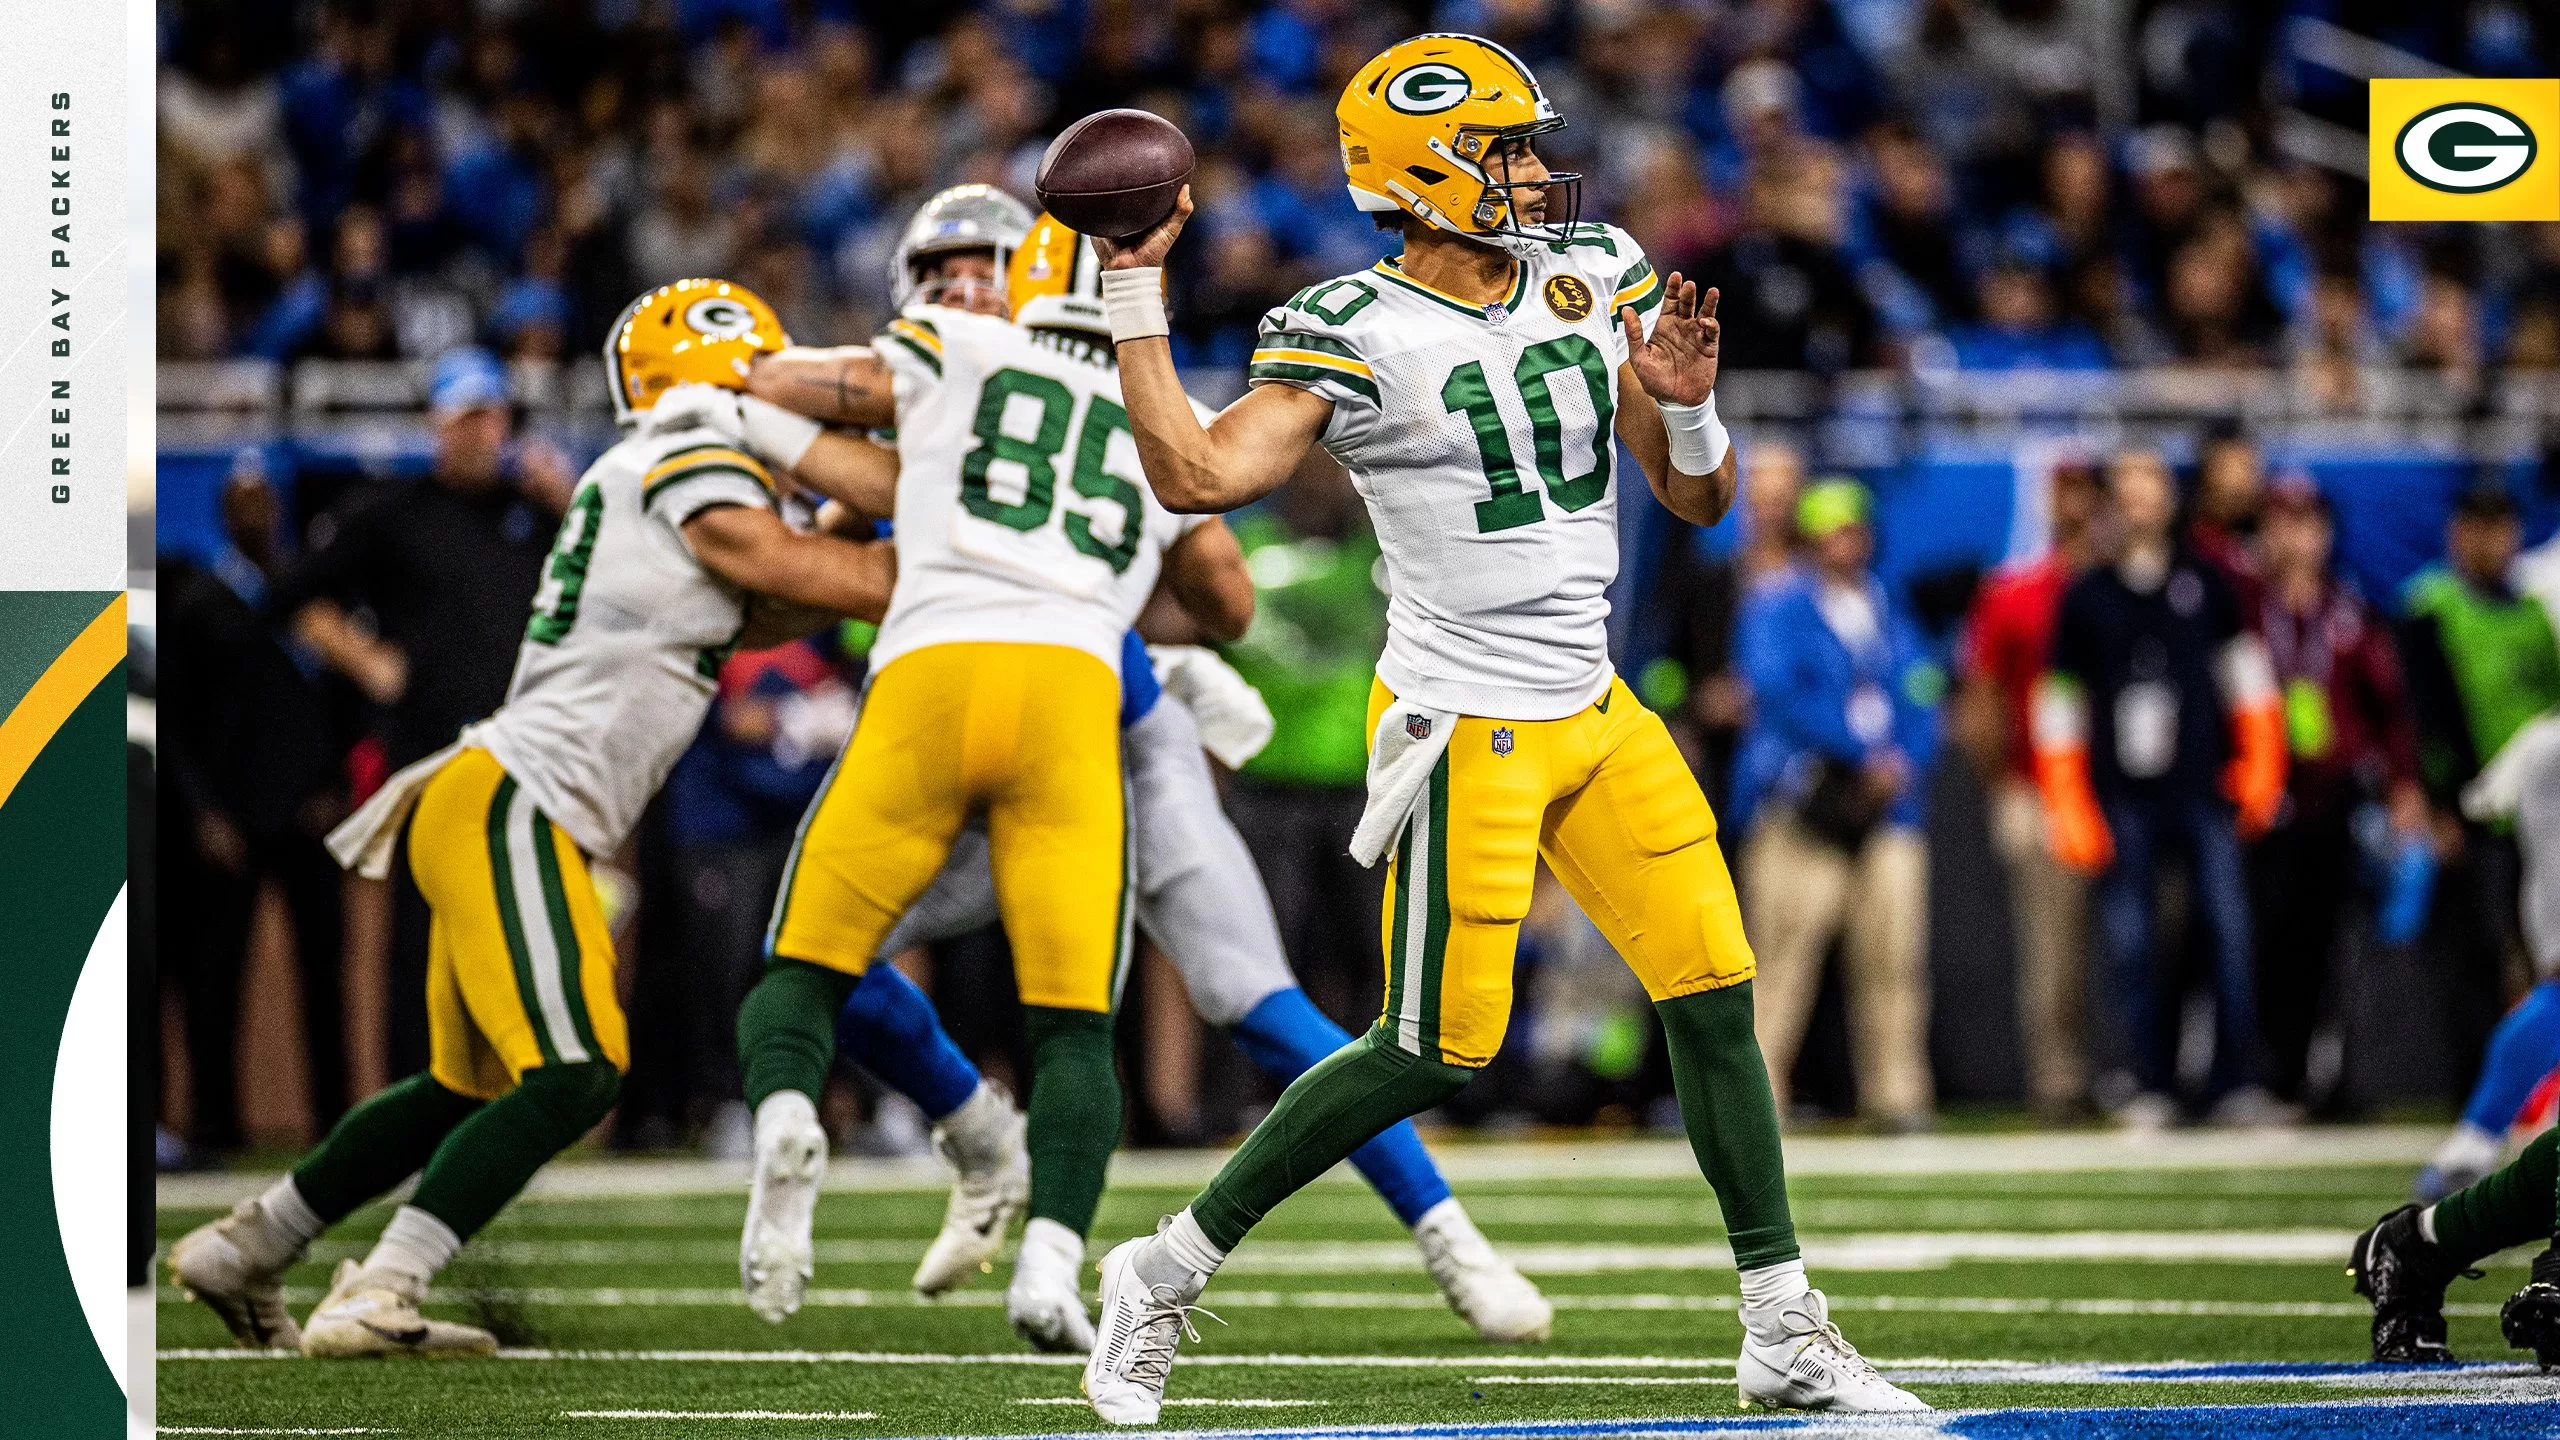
[1114, 173]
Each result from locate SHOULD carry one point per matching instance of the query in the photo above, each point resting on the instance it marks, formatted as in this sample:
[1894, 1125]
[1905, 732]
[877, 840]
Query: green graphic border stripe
[502, 872]
[1398, 894]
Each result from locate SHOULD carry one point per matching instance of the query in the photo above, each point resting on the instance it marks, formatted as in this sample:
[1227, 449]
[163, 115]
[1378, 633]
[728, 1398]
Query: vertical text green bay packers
[668, 537]
[1472, 387]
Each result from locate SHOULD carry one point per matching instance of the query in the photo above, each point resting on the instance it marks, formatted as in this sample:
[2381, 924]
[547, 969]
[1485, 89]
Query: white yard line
[1904, 1250]
[1563, 1159]
[719, 1414]
[1230, 1404]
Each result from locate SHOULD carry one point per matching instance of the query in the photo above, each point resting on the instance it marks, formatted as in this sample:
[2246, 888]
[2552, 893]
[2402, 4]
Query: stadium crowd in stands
[1926, 185]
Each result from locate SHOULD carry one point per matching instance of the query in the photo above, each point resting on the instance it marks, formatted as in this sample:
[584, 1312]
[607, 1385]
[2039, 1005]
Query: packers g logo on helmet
[1426, 126]
[1428, 89]
[693, 330]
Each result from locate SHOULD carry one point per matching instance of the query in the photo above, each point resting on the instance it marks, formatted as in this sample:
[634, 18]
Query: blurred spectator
[2352, 742]
[1827, 787]
[446, 568]
[2007, 643]
[2481, 662]
[1791, 301]
[2231, 475]
[250, 750]
[2020, 329]
[2155, 688]
[1319, 620]
[1909, 219]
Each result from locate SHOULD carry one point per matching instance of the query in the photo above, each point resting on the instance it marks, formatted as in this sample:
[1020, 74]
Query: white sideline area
[1563, 1159]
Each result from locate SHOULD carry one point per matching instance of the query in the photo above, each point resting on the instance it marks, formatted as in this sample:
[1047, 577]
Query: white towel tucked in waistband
[363, 842]
[1408, 744]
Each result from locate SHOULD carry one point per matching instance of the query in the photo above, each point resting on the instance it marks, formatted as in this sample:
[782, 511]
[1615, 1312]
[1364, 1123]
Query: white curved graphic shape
[89, 1139]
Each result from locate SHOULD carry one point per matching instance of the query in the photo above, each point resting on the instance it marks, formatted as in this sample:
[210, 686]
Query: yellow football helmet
[1055, 281]
[1423, 126]
[704, 330]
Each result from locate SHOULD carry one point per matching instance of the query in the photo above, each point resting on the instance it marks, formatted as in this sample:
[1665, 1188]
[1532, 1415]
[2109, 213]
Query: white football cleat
[982, 1142]
[1045, 1304]
[1485, 1289]
[211, 1263]
[776, 1256]
[375, 1312]
[1134, 1343]
[1806, 1364]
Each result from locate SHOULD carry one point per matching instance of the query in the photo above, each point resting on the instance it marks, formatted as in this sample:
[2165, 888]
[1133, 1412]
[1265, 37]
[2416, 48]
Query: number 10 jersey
[1481, 437]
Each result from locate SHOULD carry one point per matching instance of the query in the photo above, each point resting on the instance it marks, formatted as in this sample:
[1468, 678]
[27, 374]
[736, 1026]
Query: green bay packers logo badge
[2465, 148]
[1568, 297]
[719, 317]
[1427, 89]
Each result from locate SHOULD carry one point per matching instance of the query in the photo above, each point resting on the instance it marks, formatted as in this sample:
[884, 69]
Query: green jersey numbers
[1022, 424]
[564, 575]
[1533, 379]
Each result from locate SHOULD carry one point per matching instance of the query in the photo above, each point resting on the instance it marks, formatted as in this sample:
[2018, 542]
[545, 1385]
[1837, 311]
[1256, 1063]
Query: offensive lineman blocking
[1500, 733]
[645, 592]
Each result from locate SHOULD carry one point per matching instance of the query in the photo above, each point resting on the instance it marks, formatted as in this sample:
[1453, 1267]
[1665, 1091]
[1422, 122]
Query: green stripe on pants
[1435, 937]
[564, 934]
[502, 871]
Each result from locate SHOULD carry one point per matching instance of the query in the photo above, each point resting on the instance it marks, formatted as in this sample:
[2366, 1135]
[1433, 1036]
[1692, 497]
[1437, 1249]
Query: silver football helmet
[964, 217]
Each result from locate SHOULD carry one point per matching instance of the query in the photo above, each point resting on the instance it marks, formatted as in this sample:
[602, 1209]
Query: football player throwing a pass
[646, 591]
[1472, 387]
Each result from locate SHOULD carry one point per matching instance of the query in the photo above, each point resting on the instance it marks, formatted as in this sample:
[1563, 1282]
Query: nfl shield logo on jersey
[1501, 739]
[1417, 726]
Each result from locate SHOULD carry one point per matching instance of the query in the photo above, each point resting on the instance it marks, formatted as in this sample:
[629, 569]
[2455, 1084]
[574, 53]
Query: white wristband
[1133, 301]
[775, 435]
[1698, 438]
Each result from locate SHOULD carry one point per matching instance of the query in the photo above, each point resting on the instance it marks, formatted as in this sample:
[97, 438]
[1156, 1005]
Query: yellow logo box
[2464, 149]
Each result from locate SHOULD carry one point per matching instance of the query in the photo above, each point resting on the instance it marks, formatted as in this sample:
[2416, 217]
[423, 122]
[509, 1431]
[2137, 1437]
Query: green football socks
[2517, 1204]
[381, 1142]
[1073, 1120]
[1732, 1120]
[490, 1156]
[787, 1029]
[1324, 1115]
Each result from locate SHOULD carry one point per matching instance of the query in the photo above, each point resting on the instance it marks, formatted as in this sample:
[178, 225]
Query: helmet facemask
[978, 294]
[1484, 153]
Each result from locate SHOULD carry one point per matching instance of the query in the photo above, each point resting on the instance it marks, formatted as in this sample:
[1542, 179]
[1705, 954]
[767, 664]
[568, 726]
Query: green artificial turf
[1330, 1275]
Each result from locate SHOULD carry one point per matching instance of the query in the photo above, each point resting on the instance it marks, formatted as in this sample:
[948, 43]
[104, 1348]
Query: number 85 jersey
[1023, 515]
[1481, 438]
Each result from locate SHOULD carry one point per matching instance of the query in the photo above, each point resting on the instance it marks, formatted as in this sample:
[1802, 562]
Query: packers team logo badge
[1417, 726]
[2462, 149]
[1501, 739]
[1568, 297]
[1428, 89]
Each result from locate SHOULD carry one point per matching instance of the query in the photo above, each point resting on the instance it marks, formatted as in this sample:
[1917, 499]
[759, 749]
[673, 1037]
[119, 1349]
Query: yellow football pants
[519, 959]
[1028, 734]
[1604, 795]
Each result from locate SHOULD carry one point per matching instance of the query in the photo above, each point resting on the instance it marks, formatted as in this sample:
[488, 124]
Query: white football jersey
[622, 655]
[1022, 513]
[1480, 436]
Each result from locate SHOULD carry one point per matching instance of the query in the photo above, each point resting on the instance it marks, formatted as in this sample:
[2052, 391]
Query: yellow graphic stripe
[697, 457]
[1650, 283]
[910, 330]
[65, 683]
[1287, 356]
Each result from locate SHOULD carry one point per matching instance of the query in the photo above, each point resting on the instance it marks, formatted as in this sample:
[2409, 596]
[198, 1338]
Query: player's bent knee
[575, 1097]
